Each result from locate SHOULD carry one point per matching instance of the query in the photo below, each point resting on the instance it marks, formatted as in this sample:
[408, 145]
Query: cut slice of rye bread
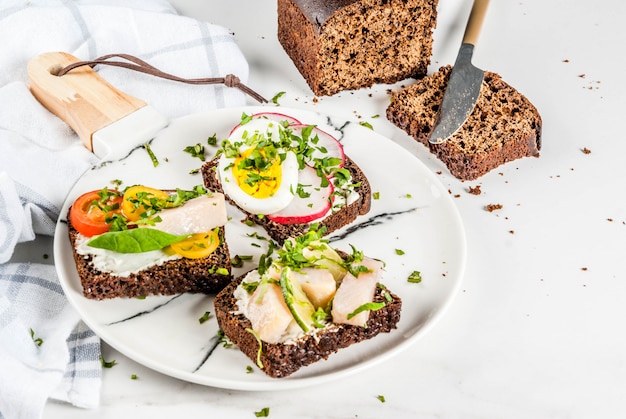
[332, 222]
[504, 125]
[350, 44]
[170, 278]
[283, 359]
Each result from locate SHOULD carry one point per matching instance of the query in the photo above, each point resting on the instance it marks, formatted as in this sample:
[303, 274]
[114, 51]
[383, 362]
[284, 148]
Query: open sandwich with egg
[285, 175]
[143, 241]
[305, 301]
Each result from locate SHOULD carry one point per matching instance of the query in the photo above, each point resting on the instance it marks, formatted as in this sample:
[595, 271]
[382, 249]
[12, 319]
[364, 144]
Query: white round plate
[411, 212]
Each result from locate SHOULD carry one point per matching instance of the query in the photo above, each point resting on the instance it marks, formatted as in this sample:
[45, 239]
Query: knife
[109, 122]
[465, 81]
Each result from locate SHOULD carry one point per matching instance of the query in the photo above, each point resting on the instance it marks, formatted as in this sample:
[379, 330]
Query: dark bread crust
[281, 360]
[504, 125]
[342, 44]
[171, 277]
[281, 232]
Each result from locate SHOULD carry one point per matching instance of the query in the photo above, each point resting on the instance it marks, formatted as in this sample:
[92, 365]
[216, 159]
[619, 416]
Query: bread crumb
[475, 190]
[584, 268]
[512, 231]
[582, 76]
[493, 207]
[586, 150]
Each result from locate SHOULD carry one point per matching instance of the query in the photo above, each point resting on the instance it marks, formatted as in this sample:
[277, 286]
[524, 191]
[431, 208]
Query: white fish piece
[197, 215]
[268, 313]
[356, 291]
[317, 283]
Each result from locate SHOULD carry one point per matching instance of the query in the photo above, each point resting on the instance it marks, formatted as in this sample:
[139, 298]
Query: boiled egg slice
[259, 184]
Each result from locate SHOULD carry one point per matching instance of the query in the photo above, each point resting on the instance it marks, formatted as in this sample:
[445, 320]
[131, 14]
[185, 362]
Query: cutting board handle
[81, 98]
[475, 21]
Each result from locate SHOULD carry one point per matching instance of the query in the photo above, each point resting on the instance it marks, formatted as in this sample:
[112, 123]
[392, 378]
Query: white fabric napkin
[41, 158]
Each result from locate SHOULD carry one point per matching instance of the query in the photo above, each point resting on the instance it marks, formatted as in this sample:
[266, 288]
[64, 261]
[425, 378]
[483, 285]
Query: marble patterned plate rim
[414, 197]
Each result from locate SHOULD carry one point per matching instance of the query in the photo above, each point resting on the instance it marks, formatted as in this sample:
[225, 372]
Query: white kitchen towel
[41, 157]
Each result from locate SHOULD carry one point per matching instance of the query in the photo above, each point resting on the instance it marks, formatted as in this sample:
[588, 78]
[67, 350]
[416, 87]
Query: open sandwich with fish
[140, 241]
[305, 301]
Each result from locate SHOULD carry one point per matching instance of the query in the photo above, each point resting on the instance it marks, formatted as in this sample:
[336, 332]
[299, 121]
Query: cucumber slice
[299, 305]
[321, 254]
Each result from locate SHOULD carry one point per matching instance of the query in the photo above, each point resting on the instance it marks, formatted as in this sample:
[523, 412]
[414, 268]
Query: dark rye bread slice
[504, 125]
[283, 359]
[281, 232]
[171, 277]
[349, 44]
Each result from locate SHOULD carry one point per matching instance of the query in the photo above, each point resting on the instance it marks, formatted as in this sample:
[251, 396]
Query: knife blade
[110, 123]
[464, 83]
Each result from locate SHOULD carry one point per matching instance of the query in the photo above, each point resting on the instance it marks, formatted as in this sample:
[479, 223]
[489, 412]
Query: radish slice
[277, 116]
[325, 146]
[306, 209]
[272, 116]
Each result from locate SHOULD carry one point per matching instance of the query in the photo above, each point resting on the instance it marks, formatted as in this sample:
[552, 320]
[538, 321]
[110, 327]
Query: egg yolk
[256, 174]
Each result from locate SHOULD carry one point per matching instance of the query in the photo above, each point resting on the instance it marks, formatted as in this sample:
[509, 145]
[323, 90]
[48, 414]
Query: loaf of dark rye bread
[283, 359]
[171, 277]
[280, 232]
[348, 44]
[504, 125]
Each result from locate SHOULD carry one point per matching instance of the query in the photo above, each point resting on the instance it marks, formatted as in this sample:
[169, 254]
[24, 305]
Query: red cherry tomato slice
[90, 211]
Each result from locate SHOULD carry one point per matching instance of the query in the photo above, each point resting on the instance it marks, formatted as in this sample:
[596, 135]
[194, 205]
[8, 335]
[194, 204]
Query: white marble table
[536, 329]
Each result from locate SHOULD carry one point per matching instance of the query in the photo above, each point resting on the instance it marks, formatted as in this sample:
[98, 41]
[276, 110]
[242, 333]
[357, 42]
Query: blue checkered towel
[45, 350]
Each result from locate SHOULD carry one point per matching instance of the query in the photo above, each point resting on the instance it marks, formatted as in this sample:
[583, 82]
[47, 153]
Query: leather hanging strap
[136, 64]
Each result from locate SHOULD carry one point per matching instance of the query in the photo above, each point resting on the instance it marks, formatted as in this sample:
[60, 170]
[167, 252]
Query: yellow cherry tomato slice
[142, 202]
[198, 245]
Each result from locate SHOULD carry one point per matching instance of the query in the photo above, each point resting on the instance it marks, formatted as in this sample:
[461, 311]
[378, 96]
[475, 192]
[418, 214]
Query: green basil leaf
[365, 307]
[136, 240]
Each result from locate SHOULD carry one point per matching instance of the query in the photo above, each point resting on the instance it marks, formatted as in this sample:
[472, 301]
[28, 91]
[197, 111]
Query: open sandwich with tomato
[144, 241]
[285, 175]
[305, 301]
